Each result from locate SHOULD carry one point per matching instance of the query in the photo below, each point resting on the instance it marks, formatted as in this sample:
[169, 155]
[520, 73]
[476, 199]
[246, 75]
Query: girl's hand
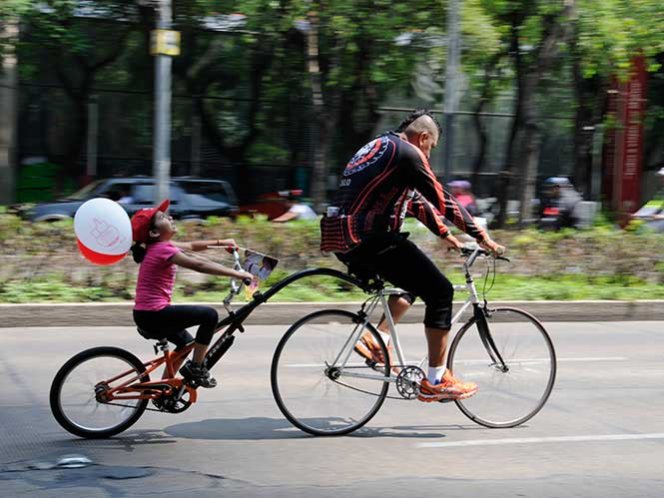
[229, 244]
[245, 276]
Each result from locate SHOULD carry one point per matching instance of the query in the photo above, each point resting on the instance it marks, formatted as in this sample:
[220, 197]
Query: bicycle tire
[326, 424]
[65, 420]
[543, 356]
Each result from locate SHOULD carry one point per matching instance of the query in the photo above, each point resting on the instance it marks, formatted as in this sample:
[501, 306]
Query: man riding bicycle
[386, 180]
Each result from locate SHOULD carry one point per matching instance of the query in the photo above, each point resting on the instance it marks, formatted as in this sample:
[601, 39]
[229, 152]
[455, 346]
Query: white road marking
[539, 440]
[467, 362]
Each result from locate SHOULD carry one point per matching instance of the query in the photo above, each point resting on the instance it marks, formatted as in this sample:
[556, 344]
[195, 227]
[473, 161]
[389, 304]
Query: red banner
[623, 154]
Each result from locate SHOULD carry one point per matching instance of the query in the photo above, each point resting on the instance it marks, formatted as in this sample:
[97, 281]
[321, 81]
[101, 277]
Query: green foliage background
[39, 262]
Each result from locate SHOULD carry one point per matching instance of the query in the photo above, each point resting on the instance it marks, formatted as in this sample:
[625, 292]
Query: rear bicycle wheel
[315, 396]
[506, 397]
[75, 403]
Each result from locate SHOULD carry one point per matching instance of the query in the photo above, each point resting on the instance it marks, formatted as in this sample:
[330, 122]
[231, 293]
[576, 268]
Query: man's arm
[428, 215]
[425, 182]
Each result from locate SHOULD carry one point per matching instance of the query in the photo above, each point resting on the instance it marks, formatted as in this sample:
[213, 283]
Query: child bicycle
[316, 381]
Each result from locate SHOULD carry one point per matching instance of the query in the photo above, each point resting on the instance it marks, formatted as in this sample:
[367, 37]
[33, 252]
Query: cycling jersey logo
[367, 156]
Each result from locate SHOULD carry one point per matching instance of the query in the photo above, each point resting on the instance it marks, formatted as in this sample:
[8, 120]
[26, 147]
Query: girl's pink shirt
[156, 277]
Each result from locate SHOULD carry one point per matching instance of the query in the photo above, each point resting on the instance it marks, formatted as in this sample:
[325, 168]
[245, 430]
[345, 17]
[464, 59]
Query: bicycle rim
[505, 398]
[304, 387]
[77, 402]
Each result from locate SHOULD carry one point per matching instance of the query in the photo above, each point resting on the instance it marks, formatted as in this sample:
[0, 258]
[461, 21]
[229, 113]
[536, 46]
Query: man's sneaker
[198, 374]
[448, 389]
[466, 387]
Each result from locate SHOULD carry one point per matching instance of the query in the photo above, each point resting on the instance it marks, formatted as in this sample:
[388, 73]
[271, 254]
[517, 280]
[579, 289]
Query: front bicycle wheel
[316, 389]
[508, 396]
[77, 392]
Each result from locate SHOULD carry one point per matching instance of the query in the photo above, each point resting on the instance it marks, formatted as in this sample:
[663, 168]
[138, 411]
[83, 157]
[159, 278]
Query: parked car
[191, 198]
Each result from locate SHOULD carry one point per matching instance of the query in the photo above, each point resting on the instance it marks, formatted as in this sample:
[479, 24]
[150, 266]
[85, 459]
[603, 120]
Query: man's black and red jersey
[385, 181]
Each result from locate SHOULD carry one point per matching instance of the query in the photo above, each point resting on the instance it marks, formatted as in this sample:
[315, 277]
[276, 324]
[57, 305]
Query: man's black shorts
[396, 259]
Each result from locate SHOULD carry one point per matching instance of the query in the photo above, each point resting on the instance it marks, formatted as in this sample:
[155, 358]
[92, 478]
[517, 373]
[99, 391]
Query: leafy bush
[40, 262]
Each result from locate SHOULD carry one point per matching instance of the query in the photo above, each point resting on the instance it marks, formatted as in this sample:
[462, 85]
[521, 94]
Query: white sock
[385, 337]
[436, 374]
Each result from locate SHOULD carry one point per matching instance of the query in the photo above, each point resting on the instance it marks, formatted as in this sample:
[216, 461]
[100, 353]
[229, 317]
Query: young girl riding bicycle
[159, 256]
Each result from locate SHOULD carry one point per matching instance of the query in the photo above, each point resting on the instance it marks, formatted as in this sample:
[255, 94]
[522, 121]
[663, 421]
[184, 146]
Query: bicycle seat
[367, 280]
[161, 341]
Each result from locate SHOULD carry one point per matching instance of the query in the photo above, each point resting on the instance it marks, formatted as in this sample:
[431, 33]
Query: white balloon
[103, 226]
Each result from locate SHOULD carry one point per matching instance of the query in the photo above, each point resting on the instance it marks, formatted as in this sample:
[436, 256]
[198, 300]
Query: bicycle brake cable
[485, 291]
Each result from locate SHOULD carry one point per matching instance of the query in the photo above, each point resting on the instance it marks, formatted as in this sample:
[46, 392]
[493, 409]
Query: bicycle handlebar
[472, 253]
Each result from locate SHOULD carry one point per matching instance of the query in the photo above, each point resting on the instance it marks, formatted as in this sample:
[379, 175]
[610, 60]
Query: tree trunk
[532, 140]
[480, 129]
[480, 126]
[79, 94]
[8, 116]
[320, 170]
[590, 100]
[556, 30]
[506, 175]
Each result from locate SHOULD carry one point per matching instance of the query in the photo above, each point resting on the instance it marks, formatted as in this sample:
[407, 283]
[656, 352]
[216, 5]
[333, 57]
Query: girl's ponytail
[138, 252]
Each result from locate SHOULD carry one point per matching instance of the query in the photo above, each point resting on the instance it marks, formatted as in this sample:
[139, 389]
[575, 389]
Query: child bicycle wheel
[77, 393]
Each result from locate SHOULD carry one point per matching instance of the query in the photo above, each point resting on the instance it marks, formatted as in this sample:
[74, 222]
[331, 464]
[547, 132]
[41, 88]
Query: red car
[273, 204]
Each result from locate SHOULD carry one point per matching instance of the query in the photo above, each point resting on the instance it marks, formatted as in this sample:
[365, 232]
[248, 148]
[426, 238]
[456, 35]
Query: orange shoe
[369, 349]
[448, 389]
[464, 386]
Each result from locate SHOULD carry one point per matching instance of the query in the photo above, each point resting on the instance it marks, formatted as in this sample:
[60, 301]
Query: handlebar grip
[230, 249]
[246, 281]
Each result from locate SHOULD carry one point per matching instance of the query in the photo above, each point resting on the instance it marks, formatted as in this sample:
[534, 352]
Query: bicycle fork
[487, 339]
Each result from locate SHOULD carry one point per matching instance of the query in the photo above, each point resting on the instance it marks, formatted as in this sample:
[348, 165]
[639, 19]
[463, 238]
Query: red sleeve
[425, 212]
[425, 182]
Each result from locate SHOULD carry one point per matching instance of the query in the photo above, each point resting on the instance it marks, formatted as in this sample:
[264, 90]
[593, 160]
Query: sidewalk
[120, 314]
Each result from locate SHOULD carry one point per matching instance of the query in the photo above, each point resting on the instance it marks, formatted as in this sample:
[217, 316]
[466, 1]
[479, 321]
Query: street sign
[165, 42]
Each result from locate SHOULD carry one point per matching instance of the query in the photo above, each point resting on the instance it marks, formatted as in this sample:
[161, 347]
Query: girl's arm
[205, 266]
[202, 245]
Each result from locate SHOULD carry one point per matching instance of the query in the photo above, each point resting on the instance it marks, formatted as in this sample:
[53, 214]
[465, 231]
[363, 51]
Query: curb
[120, 314]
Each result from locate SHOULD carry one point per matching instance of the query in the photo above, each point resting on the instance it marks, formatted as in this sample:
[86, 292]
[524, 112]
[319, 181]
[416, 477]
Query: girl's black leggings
[170, 323]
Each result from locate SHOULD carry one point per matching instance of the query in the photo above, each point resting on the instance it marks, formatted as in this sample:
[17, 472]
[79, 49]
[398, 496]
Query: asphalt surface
[601, 433]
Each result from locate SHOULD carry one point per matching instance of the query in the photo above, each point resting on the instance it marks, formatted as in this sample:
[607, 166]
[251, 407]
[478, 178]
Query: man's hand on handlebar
[492, 247]
[453, 243]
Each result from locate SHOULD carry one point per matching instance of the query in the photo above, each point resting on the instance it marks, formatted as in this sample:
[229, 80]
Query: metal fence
[118, 141]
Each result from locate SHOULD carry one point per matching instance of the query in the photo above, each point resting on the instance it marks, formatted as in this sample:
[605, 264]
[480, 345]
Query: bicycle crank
[408, 382]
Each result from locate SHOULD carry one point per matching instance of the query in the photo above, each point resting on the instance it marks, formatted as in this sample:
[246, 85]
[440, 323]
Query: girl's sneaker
[198, 374]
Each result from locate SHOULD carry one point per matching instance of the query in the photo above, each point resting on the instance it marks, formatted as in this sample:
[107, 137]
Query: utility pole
[165, 44]
[451, 84]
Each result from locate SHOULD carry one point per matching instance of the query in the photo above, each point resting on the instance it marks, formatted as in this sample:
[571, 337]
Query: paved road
[601, 434]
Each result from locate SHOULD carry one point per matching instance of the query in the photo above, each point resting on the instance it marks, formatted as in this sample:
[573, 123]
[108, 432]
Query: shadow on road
[128, 442]
[263, 428]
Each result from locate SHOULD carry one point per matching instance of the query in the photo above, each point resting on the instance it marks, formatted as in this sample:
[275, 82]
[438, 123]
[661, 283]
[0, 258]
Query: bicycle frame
[381, 297]
[152, 389]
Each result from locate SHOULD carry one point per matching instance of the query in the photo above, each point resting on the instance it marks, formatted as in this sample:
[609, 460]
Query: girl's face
[163, 226]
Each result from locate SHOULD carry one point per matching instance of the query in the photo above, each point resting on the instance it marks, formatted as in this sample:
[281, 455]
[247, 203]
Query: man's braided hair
[416, 114]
